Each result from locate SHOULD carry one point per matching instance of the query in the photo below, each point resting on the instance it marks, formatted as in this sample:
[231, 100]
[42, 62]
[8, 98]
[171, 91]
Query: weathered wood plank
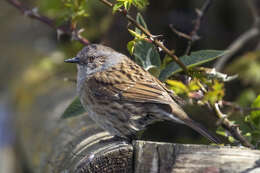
[156, 157]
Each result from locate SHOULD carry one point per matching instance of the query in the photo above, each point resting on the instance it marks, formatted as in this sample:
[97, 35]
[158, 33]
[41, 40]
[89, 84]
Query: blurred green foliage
[87, 14]
[74, 109]
[37, 79]
[247, 66]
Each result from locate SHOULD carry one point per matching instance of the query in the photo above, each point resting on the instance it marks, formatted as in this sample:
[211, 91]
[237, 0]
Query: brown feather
[140, 86]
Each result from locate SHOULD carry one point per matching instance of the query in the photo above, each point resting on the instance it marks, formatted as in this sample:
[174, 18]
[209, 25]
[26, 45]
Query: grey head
[95, 58]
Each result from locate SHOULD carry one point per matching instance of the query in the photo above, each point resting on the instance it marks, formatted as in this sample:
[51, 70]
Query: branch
[180, 34]
[194, 33]
[232, 128]
[153, 38]
[254, 6]
[244, 38]
[32, 13]
[193, 36]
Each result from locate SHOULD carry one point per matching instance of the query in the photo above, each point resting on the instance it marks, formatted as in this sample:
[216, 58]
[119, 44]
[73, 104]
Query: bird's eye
[91, 59]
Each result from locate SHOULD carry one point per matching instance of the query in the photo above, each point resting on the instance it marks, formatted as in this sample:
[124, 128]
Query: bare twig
[193, 36]
[32, 13]
[244, 38]
[232, 128]
[153, 38]
[180, 34]
[194, 33]
[254, 6]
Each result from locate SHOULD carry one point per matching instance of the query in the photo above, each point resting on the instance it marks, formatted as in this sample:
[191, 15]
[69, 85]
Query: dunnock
[122, 97]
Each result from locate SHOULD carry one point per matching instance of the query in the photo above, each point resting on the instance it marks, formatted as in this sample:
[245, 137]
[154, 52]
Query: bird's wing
[173, 95]
[128, 82]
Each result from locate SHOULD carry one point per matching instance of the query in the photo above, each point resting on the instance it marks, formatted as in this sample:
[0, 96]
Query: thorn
[195, 37]
[59, 33]
[81, 30]
[157, 36]
[27, 13]
[73, 35]
[35, 11]
[198, 12]
[159, 48]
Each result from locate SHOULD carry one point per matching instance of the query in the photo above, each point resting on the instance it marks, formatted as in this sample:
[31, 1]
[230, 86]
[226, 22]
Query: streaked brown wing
[139, 86]
[173, 95]
[143, 92]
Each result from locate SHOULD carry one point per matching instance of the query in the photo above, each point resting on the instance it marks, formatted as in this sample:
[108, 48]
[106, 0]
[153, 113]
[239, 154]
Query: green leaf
[74, 109]
[255, 115]
[246, 97]
[194, 85]
[127, 5]
[140, 4]
[247, 66]
[117, 6]
[155, 71]
[166, 60]
[146, 54]
[140, 20]
[131, 47]
[215, 93]
[178, 87]
[195, 59]
[220, 131]
[136, 35]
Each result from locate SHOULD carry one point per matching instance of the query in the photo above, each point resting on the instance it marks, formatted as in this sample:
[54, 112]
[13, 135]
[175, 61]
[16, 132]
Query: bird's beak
[72, 60]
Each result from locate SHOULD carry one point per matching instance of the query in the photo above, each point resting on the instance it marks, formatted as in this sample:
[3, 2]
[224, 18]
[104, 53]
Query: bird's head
[95, 58]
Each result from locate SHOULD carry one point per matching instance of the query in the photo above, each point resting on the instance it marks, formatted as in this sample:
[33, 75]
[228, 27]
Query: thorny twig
[153, 38]
[32, 13]
[232, 128]
[194, 33]
[193, 36]
[245, 37]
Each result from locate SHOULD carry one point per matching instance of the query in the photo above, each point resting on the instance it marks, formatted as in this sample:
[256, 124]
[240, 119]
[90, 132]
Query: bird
[122, 97]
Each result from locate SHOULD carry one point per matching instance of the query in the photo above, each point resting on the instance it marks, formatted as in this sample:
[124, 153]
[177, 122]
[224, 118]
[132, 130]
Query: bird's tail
[180, 116]
[202, 130]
